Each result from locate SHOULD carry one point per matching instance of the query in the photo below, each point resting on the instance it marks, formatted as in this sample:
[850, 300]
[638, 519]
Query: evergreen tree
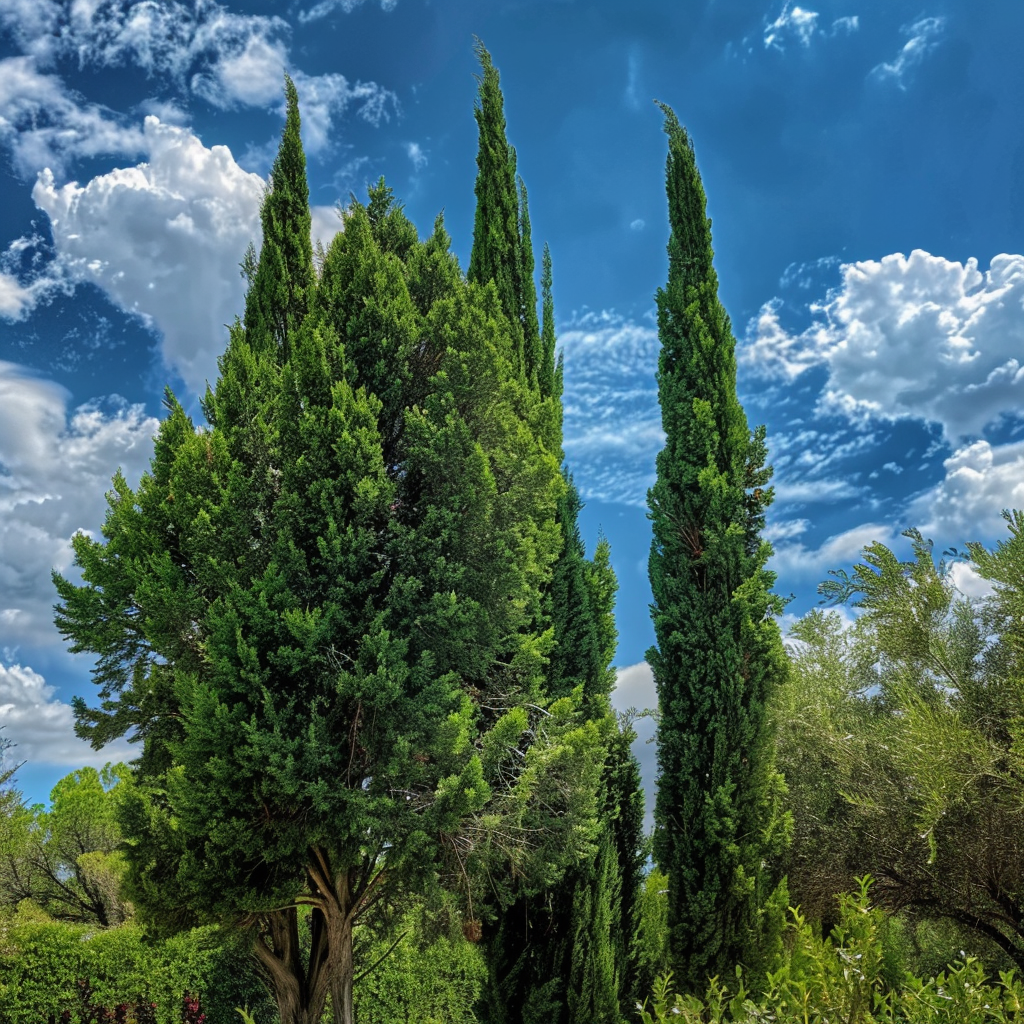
[321, 615]
[281, 280]
[719, 656]
[499, 251]
[552, 954]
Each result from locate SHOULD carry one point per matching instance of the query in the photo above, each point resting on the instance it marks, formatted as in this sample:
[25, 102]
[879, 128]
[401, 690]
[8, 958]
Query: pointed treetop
[281, 284]
[501, 227]
[690, 253]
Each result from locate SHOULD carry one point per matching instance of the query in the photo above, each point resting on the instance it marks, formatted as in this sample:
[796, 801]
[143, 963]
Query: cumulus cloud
[635, 689]
[923, 36]
[612, 419]
[795, 561]
[918, 337]
[42, 727]
[55, 469]
[163, 240]
[981, 480]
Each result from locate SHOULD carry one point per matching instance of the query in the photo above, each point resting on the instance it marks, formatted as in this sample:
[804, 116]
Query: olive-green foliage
[650, 941]
[66, 858]
[844, 978]
[42, 960]
[427, 979]
[719, 656]
[903, 756]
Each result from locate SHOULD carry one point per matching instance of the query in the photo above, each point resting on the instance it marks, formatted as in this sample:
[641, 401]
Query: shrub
[843, 978]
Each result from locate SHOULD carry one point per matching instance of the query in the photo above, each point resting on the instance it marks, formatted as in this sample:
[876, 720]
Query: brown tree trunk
[300, 990]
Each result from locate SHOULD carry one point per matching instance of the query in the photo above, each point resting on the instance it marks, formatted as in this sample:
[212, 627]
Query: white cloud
[981, 480]
[634, 688]
[612, 418]
[416, 155]
[228, 59]
[15, 298]
[44, 125]
[797, 562]
[917, 337]
[325, 7]
[42, 727]
[163, 240]
[795, 22]
[54, 472]
[923, 38]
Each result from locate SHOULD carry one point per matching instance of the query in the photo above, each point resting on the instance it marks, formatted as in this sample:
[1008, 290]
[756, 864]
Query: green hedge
[41, 962]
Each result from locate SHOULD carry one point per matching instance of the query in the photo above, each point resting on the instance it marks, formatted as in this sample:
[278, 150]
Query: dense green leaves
[718, 656]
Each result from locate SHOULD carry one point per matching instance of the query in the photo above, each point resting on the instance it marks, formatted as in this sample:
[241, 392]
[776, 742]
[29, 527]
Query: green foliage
[42, 961]
[323, 615]
[281, 280]
[66, 859]
[719, 656]
[428, 979]
[502, 247]
[903, 758]
[844, 978]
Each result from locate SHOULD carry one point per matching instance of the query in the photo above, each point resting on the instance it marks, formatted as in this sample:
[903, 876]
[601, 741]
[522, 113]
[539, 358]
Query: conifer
[499, 247]
[282, 281]
[719, 655]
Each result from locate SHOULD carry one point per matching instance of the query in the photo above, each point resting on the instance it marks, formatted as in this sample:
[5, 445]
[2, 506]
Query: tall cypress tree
[499, 251]
[282, 279]
[559, 956]
[719, 655]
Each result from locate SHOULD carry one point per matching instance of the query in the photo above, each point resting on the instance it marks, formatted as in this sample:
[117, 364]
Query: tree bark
[299, 989]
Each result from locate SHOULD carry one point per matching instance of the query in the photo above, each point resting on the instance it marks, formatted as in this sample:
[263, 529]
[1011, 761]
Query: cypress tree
[282, 278]
[556, 957]
[499, 247]
[719, 656]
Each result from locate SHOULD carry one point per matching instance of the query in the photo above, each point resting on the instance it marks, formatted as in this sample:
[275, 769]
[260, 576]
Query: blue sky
[864, 165]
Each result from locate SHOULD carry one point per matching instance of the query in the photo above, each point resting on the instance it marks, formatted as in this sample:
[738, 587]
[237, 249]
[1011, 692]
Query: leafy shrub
[42, 963]
[843, 978]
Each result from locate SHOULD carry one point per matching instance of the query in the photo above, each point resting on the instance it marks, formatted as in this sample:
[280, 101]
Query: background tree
[927, 747]
[322, 616]
[66, 860]
[719, 656]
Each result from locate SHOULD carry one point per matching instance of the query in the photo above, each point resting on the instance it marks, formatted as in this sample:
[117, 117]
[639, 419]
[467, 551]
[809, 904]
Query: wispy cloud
[801, 25]
[612, 418]
[326, 7]
[228, 59]
[923, 36]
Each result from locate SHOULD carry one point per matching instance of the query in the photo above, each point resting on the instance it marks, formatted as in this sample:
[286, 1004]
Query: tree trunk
[300, 991]
[342, 977]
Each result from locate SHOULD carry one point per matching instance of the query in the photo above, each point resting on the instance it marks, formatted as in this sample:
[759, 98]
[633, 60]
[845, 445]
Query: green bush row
[41, 963]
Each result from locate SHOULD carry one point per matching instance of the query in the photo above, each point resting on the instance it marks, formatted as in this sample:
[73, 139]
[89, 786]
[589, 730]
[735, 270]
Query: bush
[43, 961]
[844, 978]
